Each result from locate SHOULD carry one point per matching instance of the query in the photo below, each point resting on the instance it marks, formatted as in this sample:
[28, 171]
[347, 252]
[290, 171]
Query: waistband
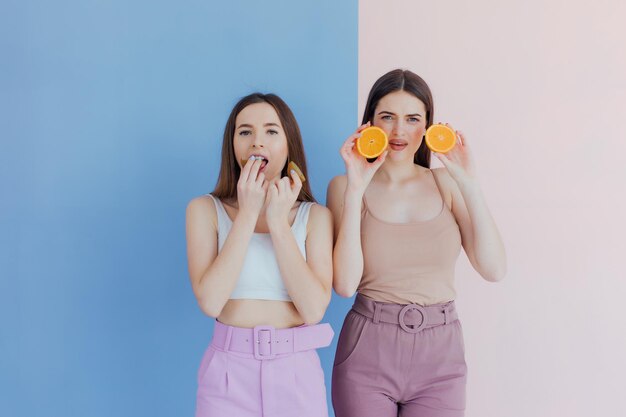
[265, 342]
[411, 317]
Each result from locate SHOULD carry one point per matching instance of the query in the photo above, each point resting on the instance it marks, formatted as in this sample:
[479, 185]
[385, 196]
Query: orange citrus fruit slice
[372, 143]
[292, 165]
[440, 138]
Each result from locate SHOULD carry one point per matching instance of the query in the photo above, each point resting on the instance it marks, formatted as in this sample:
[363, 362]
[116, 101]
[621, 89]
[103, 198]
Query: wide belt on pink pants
[265, 342]
[411, 317]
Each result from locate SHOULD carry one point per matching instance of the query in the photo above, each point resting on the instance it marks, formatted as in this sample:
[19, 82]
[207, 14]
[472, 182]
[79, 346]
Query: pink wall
[539, 87]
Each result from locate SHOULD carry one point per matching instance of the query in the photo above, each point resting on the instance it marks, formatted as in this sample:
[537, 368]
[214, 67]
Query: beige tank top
[409, 263]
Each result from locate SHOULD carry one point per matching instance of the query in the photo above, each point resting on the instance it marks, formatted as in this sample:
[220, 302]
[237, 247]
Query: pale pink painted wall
[539, 87]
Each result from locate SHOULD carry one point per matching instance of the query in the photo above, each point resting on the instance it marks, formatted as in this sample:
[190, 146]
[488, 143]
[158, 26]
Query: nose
[398, 127]
[257, 142]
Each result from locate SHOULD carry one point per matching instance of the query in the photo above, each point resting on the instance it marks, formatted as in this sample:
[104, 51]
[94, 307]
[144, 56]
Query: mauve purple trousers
[382, 370]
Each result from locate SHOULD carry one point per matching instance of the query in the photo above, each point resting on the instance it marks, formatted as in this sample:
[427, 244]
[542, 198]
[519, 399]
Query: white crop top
[260, 277]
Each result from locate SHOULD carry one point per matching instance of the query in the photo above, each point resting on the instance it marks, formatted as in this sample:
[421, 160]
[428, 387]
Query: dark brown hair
[226, 187]
[403, 80]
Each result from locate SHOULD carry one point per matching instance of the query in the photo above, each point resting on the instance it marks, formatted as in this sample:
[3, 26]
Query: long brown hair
[226, 187]
[403, 80]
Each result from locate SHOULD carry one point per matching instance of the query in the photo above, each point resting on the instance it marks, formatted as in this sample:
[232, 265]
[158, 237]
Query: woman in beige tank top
[399, 228]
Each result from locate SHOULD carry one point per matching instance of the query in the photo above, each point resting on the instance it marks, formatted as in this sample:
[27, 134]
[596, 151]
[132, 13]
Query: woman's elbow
[342, 284]
[314, 316]
[343, 290]
[210, 307]
[315, 313]
[495, 275]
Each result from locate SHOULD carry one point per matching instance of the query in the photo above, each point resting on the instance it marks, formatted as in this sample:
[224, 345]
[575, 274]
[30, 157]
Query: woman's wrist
[353, 192]
[246, 217]
[277, 224]
[469, 185]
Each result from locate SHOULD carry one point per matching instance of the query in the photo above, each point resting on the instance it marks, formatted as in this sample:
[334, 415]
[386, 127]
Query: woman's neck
[398, 172]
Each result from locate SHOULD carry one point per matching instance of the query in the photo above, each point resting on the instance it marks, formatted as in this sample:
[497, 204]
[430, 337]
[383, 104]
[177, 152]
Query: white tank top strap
[302, 219]
[218, 205]
[223, 221]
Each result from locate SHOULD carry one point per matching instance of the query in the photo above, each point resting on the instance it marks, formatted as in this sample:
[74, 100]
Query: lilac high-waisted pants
[264, 372]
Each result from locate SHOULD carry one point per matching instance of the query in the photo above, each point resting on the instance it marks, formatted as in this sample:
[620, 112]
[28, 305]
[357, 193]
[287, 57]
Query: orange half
[372, 143]
[440, 138]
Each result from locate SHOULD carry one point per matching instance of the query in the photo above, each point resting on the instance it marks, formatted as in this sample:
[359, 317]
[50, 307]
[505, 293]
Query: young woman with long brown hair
[260, 261]
[399, 229]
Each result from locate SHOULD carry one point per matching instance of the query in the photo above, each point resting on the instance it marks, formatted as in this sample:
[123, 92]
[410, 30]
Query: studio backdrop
[111, 120]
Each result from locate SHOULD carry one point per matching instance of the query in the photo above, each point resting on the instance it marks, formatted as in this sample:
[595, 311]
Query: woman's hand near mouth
[251, 189]
[281, 197]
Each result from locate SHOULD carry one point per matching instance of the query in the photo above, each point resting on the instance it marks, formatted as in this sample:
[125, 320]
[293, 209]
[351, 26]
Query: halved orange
[440, 138]
[292, 165]
[372, 143]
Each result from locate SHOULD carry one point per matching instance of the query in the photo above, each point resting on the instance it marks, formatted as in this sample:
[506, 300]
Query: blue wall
[111, 115]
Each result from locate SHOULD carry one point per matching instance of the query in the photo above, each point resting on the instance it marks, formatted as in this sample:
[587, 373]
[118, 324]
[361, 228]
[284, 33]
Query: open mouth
[264, 161]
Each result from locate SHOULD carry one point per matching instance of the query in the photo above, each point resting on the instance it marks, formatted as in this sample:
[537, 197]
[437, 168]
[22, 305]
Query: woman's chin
[399, 156]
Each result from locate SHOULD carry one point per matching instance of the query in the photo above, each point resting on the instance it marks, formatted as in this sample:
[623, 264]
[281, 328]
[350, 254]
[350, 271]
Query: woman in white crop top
[260, 262]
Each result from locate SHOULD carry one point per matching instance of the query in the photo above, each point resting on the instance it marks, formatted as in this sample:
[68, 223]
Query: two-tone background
[111, 116]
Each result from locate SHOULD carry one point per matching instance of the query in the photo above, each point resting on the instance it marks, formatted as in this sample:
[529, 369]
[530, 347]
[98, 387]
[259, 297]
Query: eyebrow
[393, 114]
[250, 126]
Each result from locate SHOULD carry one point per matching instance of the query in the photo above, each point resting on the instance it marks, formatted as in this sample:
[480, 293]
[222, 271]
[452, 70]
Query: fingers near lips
[254, 170]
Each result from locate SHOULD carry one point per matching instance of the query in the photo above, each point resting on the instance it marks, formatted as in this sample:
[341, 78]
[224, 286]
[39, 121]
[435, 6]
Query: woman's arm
[214, 275]
[345, 206]
[480, 236]
[344, 198]
[309, 281]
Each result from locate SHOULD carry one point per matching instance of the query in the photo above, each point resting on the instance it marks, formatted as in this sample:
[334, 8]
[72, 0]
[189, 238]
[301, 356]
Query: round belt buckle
[405, 310]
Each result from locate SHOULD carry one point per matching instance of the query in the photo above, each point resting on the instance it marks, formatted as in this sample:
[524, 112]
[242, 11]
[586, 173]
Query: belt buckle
[262, 339]
[405, 310]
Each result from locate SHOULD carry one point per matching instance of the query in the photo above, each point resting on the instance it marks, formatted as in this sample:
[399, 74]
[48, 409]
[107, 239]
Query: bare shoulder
[338, 184]
[441, 174]
[446, 184]
[320, 221]
[319, 212]
[336, 188]
[319, 216]
[202, 210]
[444, 179]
